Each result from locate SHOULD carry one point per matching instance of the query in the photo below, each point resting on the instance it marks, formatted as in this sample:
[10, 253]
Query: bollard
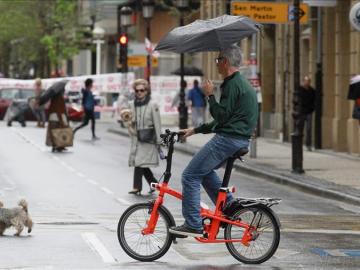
[253, 145]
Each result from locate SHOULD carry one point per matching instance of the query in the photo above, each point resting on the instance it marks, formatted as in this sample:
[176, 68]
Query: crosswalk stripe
[106, 190]
[96, 245]
[122, 201]
[321, 231]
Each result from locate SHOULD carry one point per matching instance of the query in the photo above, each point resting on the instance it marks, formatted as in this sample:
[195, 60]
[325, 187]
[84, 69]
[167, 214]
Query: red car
[8, 95]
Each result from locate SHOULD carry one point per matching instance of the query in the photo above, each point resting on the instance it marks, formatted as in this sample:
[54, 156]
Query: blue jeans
[201, 171]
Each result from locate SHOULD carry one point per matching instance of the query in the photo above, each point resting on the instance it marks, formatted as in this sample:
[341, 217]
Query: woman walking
[145, 129]
[39, 111]
[57, 119]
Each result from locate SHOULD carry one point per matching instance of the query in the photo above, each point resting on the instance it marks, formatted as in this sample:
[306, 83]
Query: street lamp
[148, 13]
[98, 34]
[125, 22]
[182, 5]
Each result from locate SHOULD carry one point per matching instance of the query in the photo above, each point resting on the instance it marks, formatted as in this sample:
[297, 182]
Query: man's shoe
[184, 230]
[94, 138]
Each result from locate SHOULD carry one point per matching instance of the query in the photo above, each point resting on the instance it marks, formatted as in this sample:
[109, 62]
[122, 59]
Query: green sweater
[236, 114]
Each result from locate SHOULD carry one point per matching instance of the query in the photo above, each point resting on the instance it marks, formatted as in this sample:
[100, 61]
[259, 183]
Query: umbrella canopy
[354, 88]
[208, 35]
[57, 88]
[189, 71]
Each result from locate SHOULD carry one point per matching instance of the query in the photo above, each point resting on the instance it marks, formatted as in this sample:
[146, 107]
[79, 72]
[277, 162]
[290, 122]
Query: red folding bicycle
[251, 228]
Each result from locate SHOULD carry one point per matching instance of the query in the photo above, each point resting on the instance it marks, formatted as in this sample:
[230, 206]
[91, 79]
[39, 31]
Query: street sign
[321, 3]
[265, 12]
[140, 61]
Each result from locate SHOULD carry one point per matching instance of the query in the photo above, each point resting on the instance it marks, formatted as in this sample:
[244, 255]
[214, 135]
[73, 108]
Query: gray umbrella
[208, 35]
[56, 89]
[189, 71]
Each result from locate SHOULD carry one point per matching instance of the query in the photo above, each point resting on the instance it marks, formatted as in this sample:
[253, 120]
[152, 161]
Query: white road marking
[96, 245]
[122, 201]
[172, 248]
[322, 231]
[71, 169]
[9, 188]
[106, 190]
[7, 179]
[92, 182]
[80, 174]
[283, 253]
[35, 268]
[336, 252]
[63, 163]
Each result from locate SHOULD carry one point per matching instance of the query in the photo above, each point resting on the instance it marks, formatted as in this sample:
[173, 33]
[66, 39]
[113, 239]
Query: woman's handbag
[146, 135]
[62, 137]
[356, 111]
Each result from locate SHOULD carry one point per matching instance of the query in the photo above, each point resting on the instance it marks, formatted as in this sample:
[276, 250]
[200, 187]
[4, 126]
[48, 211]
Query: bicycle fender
[271, 212]
[236, 205]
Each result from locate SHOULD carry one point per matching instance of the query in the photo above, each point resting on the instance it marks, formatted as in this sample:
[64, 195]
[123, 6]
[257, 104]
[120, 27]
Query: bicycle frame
[216, 216]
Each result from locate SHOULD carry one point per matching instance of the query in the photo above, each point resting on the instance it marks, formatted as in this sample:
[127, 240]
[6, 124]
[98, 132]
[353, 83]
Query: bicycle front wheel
[141, 247]
[265, 235]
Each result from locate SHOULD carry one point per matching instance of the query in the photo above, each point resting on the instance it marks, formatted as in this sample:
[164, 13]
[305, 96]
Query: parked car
[8, 95]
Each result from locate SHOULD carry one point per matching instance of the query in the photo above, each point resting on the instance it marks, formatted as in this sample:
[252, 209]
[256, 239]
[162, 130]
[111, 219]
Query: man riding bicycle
[235, 118]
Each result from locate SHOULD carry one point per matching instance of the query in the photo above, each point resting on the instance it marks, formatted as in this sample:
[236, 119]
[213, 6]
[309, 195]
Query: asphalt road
[76, 198]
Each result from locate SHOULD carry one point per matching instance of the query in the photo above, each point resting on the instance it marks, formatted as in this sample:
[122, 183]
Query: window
[10, 94]
[27, 93]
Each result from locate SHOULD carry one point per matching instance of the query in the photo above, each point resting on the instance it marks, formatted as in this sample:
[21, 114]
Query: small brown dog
[17, 217]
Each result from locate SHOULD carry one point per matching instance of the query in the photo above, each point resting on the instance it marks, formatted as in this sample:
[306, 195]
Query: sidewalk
[328, 174]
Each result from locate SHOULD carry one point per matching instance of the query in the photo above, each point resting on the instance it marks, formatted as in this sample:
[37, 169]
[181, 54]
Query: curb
[294, 181]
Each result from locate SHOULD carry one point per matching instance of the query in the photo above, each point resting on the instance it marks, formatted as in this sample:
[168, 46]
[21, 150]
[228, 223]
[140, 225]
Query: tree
[62, 33]
[37, 33]
[17, 36]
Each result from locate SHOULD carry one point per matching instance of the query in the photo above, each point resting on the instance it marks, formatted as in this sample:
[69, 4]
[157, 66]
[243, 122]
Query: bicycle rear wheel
[265, 235]
[141, 247]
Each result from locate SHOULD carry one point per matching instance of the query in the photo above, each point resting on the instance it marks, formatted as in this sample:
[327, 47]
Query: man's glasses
[140, 90]
[218, 59]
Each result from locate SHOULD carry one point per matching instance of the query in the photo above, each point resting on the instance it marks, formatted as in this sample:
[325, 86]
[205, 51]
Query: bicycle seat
[241, 152]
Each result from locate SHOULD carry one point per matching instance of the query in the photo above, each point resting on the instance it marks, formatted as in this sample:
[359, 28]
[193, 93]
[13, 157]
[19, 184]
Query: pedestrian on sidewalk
[39, 110]
[356, 110]
[307, 101]
[235, 118]
[176, 99]
[88, 104]
[197, 101]
[146, 136]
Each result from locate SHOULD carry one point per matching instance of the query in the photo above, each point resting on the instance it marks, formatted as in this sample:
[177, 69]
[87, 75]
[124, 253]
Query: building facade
[327, 40]
[104, 14]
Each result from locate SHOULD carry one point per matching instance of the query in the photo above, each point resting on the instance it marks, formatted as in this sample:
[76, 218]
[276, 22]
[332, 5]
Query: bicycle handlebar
[168, 137]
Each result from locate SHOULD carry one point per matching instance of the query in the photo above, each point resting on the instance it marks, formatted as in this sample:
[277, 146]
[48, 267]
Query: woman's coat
[57, 117]
[145, 154]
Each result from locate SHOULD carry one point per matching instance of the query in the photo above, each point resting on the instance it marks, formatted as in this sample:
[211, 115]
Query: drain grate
[68, 223]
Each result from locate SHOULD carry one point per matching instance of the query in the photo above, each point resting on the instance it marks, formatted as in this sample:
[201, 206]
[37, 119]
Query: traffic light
[123, 42]
[123, 39]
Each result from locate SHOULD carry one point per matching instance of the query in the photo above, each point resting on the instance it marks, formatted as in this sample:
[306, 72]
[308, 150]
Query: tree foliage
[37, 33]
